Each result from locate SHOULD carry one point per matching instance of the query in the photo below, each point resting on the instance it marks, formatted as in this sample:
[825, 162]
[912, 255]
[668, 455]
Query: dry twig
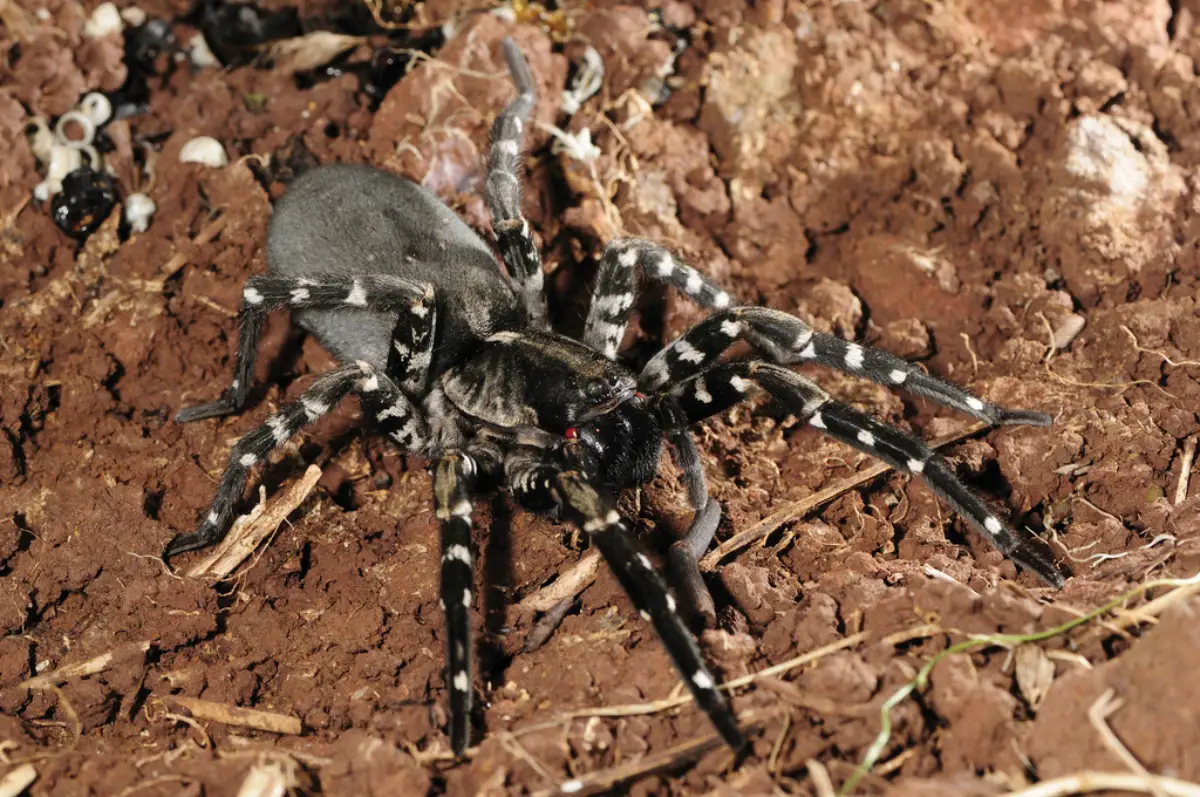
[1185, 469]
[569, 583]
[90, 667]
[238, 716]
[250, 530]
[17, 780]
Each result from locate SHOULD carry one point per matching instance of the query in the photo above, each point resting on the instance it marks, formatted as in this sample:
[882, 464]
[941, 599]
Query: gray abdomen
[348, 220]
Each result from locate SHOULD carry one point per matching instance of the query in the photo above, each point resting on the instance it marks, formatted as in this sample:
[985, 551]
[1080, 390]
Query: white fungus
[204, 149]
[41, 140]
[97, 107]
[87, 128]
[104, 20]
[138, 210]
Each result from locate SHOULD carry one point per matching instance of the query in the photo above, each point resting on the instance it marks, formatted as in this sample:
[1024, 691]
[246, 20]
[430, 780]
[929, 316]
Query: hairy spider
[454, 361]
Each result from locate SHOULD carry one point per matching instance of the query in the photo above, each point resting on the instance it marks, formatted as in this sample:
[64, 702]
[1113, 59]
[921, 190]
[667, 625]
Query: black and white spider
[455, 361]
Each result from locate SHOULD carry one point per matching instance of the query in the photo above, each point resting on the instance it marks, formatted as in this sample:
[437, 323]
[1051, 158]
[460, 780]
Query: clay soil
[1004, 192]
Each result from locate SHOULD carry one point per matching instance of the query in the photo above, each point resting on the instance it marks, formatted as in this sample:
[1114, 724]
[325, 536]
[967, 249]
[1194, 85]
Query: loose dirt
[1004, 192]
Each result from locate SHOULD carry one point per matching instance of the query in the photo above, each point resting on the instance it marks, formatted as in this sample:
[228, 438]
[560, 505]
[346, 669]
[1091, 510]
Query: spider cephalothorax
[454, 360]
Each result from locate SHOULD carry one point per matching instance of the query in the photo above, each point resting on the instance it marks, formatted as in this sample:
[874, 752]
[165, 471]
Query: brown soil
[964, 184]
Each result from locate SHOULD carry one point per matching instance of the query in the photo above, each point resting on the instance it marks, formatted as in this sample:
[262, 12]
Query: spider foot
[1035, 555]
[1007, 417]
[685, 575]
[203, 537]
[226, 405]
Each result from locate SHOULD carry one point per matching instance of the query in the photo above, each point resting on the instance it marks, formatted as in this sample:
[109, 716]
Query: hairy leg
[317, 400]
[262, 294]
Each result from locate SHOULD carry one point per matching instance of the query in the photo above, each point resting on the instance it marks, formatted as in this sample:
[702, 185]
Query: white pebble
[204, 149]
[134, 17]
[104, 20]
[200, 54]
[139, 208]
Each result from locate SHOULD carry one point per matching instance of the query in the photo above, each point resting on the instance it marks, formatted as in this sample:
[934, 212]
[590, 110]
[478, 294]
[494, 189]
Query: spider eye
[596, 390]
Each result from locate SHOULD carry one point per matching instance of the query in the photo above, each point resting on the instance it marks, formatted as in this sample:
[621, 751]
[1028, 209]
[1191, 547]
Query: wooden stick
[238, 716]
[90, 667]
[569, 583]
[250, 530]
[798, 509]
[17, 780]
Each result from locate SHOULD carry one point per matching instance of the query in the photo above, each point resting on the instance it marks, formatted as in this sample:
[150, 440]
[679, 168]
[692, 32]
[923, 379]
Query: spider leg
[503, 189]
[612, 299]
[409, 432]
[787, 339]
[686, 552]
[454, 480]
[265, 293]
[646, 588]
[726, 384]
[534, 482]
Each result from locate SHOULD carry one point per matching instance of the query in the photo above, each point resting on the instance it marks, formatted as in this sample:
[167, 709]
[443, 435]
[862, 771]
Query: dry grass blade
[1086, 782]
[90, 667]
[238, 716]
[250, 530]
[17, 780]
[822, 783]
[798, 509]
[1098, 714]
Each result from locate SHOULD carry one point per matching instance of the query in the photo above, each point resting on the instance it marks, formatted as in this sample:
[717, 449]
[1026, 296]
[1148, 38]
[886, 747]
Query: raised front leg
[503, 190]
[265, 293]
[612, 299]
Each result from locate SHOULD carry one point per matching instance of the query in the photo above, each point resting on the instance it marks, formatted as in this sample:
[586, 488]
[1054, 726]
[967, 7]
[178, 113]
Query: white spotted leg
[610, 534]
[503, 190]
[787, 340]
[453, 479]
[321, 397]
[725, 385]
[265, 293]
[612, 298]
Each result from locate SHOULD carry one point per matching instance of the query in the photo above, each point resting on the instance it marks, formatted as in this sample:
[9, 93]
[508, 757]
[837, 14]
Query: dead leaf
[1035, 673]
[310, 51]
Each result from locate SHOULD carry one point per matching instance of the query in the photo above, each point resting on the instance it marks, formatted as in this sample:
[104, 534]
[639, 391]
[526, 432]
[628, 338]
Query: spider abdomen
[387, 225]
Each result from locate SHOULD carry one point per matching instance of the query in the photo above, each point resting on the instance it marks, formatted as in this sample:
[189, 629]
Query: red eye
[572, 433]
[639, 396]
